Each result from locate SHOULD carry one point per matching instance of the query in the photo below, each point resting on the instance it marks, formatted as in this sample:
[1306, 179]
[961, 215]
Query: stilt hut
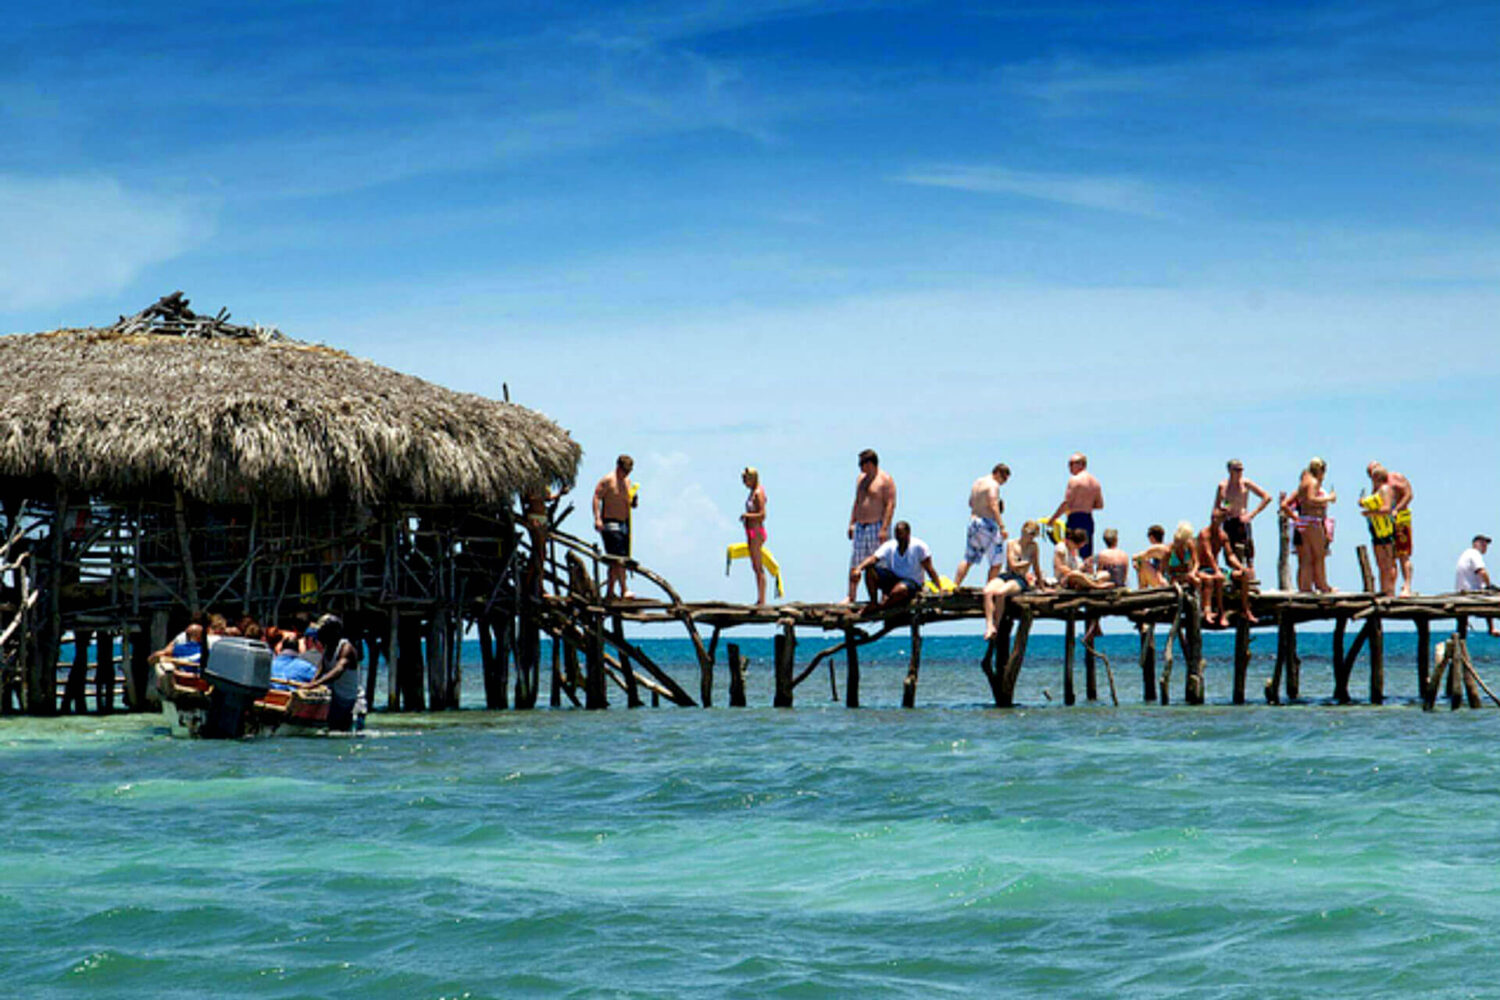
[173, 464]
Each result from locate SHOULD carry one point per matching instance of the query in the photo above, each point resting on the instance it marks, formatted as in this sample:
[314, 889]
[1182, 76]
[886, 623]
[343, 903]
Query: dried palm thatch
[167, 399]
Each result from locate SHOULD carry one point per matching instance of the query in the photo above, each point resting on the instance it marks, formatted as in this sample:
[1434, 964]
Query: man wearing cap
[1471, 573]
[1082, 497]
[1233, 497]
[339, 669]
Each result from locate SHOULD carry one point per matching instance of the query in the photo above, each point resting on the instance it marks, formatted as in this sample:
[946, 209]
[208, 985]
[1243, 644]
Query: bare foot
[989, 633]
[846, 600]
[1250, 619]
[627, 596]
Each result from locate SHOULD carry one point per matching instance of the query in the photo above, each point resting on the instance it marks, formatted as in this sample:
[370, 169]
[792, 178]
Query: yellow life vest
[741, 550]
[1054, 529]
[1381, 524]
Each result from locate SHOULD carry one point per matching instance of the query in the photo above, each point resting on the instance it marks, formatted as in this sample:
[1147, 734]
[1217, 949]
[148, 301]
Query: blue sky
[777, 233]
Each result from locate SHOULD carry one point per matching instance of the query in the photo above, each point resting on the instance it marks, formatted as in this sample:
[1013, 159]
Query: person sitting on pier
[1068, 565]
[1148, 561]
[985, 538]
[1181, 566]
[1233, 496]
[1236, 570]
[870, 518]
[1309, 509]
[339, 670]
[1022, 566]
[613, 500]
[289, 669]
[1471, 573]
[894, 570]
[1113, 560]
[1380, 517]
[1401, 494]
[1082, 497]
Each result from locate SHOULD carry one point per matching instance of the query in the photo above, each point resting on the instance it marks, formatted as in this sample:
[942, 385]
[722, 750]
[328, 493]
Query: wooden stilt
[594, 696]
[104, 673]
[139, 676]
[736, 677]
[1195, 685]
[1090, 670]
[632, 690]
[1377, 661]
[1470, 678]
[1293, 665]
[487, 663]
[1241, 660]
[1424, 653]
[1340, 670]
[996, 655]
[1012, 668]
[409, 664]
[73, 699]
[786, 658]
[851, 669]
[1069, 640]
[554, 693]
[913, 666]
[1148, 662]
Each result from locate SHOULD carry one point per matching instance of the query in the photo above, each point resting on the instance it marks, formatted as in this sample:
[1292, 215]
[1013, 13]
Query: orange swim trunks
[1403, 533]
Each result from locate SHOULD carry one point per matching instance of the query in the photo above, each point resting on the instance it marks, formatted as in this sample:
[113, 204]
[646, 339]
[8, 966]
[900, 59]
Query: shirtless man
[1113, 559]
[870, 519]
[1401, 505]
[612, 504]
[1233, 497]
[1379, 512]
[986, 536]
[1148, 561]
[1236, 570]
[1083, 496]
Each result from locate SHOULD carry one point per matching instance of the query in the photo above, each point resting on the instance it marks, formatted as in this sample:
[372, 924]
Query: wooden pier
[588, 631]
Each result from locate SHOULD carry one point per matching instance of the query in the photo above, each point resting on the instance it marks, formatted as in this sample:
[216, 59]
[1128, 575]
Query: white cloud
[1110, 194]
[73, 237]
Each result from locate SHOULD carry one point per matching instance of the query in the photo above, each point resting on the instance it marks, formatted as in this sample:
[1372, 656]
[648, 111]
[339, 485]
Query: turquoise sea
[953, 850]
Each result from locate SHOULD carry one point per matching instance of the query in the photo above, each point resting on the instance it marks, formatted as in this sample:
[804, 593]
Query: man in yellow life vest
[1401, 494]
[1379, 511]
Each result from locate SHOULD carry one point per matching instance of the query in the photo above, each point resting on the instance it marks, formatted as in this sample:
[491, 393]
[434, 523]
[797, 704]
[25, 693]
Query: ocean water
[954, 850]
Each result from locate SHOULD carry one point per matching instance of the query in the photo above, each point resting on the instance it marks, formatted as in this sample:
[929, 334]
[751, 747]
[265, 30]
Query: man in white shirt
[1471, 573]
[894, 570]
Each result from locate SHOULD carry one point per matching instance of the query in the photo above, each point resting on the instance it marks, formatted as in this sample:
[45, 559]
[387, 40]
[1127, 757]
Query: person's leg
[960, 573]
[1304, 563]
[756, 543]
[899, 595]
[1317, 545]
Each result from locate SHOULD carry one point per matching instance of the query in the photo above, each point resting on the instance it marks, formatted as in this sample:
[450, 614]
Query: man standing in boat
[1083, 496]
[1233, 497]
[870, 519]
[613, 501]
[1401, 514]
[339, 670]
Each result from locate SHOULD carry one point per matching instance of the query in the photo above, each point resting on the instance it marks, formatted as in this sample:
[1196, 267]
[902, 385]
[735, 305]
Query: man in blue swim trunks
[1083, 496]
[985, 540]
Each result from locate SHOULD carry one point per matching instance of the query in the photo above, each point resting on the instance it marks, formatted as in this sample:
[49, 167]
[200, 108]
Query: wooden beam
[1148, 662]
[1069, 640]
[1241, 659]
[913, 666]
[736, 677]
[851, 669]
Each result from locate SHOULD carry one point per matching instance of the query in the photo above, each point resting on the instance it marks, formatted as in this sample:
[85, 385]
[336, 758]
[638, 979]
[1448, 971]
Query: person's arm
[1098, 496]
[1403, 497]
[937, 581]
[1036, 568]
[344, 661]
[854, 507]
[994, 499]
[889, 514]
[1265, 498]
[599, 506]
[859, 571]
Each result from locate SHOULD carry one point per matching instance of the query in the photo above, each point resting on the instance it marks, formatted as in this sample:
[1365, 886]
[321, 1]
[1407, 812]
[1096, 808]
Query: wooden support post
[594, 696]
[1293, 665]
[706, 672]
[1340, 667]
[1285, 636]
[572, 674]
[1424, 654]
[73, 698]
[104, 673]
[736, 677]
[1241, 659]
[851, 671]
[1377, 661]
[554, 691]
[1090, 670]
[1366, 574]
[996, 655]
[492, 696]
[393, 685]
[1148, 662]
[913, 666]
[1429, 695]
[786, 658]
[1283, 552]
[1069, 640]
[139, 677]
[632, 690]
[1012, 667]
[529, 659]
[1195, 684]
[439, 687]
[1466, 666]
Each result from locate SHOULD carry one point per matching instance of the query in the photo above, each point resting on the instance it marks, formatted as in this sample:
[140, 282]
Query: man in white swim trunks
[870, 519]
[986, 537]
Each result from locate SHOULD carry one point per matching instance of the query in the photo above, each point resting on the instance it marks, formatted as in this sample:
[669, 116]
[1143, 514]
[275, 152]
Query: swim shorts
[1403, 533]
[1241, 537]
[1083, 519]
[866, 541]
[1017, 578]
[983, 542]
[886, 581]
[616, 536]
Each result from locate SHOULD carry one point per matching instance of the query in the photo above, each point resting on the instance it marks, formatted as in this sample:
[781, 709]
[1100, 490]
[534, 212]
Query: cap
[1486, 539]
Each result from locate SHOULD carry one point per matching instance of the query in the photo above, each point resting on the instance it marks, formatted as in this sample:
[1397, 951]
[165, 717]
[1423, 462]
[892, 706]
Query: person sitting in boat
[288, 668]
[339, 669]
[186, 649]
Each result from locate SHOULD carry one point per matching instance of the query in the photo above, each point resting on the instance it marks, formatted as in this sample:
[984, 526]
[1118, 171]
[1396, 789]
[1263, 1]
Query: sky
[776, 233]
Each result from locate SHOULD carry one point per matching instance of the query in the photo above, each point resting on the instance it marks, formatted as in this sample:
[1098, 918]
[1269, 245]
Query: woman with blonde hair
[754, 520]
[1308, 508]
[1022, 567]
[1181, 563]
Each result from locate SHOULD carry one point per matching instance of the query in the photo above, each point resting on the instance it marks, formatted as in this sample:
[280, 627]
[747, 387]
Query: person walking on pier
[1471, 573]
[754, 520]
[894, 570]
[870, 518]
[1309, 508]
[1401, 515]
[613, 499]
[1023, 570]
[1233, 497]
[1380, 517]
[1082, 497]
[985, 540]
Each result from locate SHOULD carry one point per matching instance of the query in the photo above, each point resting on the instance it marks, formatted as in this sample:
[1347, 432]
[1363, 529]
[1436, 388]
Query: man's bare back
[1083, 495]
[984, 498]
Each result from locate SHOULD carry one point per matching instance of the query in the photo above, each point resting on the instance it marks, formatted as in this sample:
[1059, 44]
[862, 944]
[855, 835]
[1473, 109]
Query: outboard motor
[240, 671]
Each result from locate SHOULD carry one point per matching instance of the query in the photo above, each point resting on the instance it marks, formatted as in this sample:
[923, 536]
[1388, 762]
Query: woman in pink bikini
[1309, 510]
[754, 520]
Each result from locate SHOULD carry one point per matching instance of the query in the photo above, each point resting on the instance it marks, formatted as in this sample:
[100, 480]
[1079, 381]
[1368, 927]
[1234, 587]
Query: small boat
[231, 696]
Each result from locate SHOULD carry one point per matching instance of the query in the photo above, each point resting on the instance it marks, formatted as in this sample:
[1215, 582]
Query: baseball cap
[1483, 538]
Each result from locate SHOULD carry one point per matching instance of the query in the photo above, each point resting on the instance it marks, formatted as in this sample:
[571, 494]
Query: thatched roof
[168, 399]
